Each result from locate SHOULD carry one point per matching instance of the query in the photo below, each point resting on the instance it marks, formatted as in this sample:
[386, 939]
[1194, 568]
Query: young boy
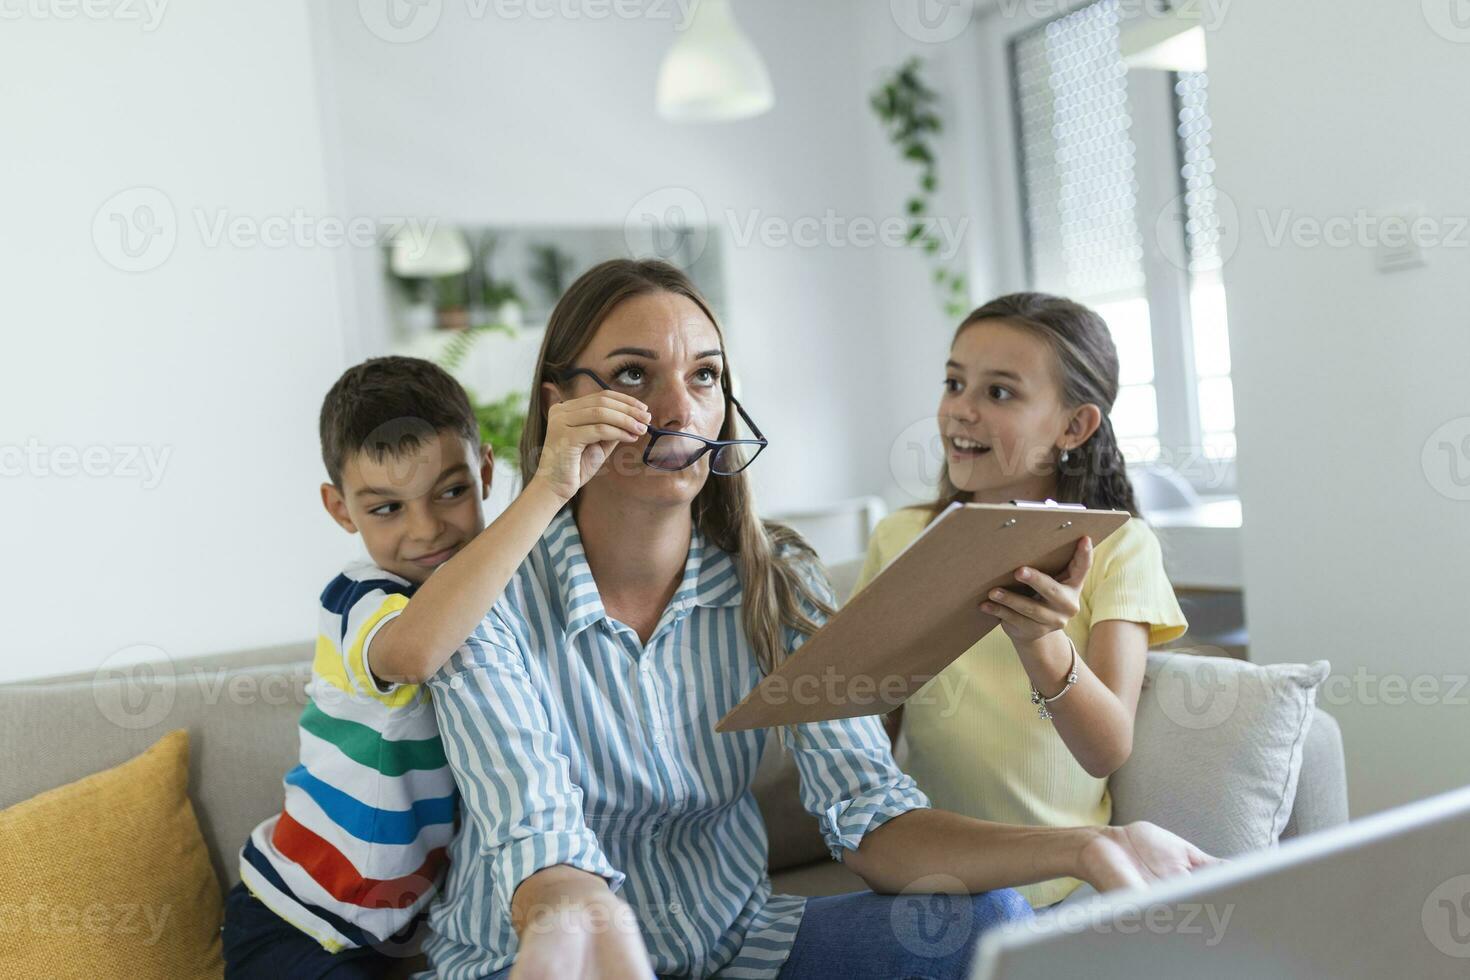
[335, 882]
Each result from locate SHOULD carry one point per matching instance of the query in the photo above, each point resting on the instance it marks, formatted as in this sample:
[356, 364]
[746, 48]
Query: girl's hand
[599, 941]
[582, 433]
[1137, 854]
[1057, 599]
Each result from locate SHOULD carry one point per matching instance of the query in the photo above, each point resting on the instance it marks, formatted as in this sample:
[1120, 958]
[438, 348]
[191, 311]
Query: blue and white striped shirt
[573, 743]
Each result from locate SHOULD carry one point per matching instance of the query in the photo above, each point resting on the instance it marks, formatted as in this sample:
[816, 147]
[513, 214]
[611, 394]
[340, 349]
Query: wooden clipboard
[919, 614]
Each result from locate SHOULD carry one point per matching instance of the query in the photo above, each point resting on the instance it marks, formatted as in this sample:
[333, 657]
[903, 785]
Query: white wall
[1352, 552]
[217, 357]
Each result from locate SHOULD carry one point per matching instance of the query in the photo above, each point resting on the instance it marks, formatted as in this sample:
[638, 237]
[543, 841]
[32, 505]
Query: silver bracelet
[1041, 702]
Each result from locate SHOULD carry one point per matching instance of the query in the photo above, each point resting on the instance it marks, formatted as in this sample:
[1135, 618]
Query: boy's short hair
[390, 405]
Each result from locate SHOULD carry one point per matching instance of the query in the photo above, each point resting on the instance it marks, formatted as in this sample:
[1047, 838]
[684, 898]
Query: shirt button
[658, 739]
[675, 908]
[646, 666]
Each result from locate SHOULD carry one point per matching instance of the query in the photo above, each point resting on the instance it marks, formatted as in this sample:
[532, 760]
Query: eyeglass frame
[711, 446]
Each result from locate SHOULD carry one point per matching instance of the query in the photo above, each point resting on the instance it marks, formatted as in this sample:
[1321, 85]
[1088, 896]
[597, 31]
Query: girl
[607, 830]
[1024, 416]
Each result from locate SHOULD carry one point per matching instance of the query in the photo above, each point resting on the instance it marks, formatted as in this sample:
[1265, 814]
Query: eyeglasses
[669, 449]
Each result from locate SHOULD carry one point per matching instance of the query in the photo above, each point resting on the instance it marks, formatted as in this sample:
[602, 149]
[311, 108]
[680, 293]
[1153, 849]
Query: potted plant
[451, 302]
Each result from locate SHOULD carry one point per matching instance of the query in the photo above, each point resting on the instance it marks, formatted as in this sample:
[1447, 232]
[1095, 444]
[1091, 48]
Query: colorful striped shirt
[574, 743]
[358, 850]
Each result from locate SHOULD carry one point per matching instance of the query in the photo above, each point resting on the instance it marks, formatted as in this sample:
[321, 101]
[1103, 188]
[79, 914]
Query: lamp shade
[420, 252]
[1171, 40]
[713, 72]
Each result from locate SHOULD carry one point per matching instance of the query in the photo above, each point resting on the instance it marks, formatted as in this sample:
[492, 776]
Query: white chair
[838, 531]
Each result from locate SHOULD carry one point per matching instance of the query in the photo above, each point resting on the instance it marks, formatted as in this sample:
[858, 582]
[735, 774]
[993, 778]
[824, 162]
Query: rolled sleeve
[524, 856]
[514, 782]
[849, 780]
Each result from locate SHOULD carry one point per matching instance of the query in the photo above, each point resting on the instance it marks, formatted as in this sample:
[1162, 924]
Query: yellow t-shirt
[976, 745]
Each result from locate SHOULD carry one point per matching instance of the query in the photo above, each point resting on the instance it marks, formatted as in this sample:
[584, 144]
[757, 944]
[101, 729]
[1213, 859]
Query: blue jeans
[260, 945]
[897, 937]
[892, 937]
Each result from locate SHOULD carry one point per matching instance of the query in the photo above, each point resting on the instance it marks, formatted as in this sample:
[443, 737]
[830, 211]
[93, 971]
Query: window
[1119, 211]
[1202, 232]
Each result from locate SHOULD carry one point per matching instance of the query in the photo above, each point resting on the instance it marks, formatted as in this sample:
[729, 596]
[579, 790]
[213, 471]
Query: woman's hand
[582, 433]
[594, 941]
[1027, 620]
[1137, 854]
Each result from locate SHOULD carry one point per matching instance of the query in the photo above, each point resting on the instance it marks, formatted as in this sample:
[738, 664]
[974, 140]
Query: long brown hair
[766, 554]
[1094, 474]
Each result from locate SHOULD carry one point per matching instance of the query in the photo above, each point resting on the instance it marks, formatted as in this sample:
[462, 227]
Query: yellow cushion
[108, 876]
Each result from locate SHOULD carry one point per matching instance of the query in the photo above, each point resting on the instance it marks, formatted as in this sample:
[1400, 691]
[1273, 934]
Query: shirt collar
[710, 577]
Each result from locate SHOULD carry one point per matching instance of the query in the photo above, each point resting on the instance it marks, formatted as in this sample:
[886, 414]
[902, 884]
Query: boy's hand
[1057, 599]
[583, 432]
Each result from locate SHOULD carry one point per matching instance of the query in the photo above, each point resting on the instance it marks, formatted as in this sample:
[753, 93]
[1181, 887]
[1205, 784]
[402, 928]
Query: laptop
[1387, 896]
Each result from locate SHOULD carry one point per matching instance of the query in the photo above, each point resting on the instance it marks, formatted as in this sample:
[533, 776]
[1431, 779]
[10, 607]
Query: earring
[1065, 455]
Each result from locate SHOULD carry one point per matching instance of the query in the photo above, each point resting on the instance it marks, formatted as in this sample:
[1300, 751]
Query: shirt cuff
[846, 823]
[380, 686]
[521, 858]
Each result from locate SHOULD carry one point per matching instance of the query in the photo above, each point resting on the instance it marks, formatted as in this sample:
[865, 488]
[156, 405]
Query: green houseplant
[501, 423]
[908, 109]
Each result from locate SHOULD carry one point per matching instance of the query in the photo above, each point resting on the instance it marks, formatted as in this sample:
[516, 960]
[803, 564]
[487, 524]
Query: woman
[608, 831]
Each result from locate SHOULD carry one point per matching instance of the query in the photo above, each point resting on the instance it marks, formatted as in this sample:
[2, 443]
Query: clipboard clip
[1049, 503]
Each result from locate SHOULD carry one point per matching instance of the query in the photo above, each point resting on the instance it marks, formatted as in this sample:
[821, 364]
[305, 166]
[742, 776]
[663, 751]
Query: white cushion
[1217, 749]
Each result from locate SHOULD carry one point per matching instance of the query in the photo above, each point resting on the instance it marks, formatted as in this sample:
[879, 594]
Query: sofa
[241, 709]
